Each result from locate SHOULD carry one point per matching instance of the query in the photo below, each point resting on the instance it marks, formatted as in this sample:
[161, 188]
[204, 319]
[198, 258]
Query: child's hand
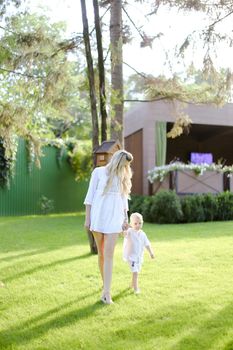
[152, 255]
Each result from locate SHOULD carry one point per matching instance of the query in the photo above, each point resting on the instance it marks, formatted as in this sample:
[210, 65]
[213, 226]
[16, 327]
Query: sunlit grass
[52, 289]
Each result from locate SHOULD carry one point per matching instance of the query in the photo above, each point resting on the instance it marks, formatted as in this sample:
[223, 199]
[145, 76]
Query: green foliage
[81, 160]
[209, 205]
[7, 161]
[178, 88]
[166, 208]
[192, 208]
[146, 206]
[4, 166]
[46, 205]
[224, 206]
[135, 203]
[39, 87]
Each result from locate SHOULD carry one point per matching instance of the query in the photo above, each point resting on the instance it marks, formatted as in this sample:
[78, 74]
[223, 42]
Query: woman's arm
[92, 187]
[88, 216]
[89, 197]
[125, 225]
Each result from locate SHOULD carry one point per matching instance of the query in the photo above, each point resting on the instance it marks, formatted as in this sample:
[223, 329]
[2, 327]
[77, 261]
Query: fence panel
[53, 181]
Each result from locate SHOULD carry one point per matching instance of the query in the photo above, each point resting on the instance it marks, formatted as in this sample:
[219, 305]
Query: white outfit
[107, 211]
[133, 248]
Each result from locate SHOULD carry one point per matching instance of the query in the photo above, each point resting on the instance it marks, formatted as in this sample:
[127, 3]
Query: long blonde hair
[119, 166]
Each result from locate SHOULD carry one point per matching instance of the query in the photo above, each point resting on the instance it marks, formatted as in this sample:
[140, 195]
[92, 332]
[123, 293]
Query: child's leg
[135, 281]
[132, 282]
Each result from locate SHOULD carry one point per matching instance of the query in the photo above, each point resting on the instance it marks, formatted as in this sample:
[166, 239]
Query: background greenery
[167, 207]
[51, 296]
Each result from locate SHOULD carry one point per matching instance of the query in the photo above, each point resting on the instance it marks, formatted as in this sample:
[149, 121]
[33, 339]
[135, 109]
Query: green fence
[54, 181]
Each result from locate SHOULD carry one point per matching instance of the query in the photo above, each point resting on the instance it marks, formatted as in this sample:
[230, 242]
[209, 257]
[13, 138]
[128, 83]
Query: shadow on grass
[211, 332]
[186, 323]
[45, 266]
[23, 255]
[176, 321]
[27, 331]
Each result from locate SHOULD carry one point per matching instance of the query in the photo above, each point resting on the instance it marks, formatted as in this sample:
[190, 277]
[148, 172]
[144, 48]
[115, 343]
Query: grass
[51, 296]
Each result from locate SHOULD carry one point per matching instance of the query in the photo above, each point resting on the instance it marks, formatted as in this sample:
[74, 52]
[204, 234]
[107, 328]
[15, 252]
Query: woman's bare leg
[109, 246]
[99, 240]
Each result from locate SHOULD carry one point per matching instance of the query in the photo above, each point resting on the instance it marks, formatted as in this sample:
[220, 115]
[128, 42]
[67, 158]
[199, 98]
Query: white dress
[108, 210]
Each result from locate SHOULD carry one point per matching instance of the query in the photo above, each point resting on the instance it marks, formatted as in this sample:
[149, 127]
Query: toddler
[135, 240]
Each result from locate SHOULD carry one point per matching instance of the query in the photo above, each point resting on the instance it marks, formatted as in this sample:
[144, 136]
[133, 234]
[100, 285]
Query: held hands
[125, 226]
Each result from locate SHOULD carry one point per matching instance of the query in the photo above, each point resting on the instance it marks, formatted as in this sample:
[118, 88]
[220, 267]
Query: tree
[38, 84]
[91, 79]
[101, 70]
[116, 70]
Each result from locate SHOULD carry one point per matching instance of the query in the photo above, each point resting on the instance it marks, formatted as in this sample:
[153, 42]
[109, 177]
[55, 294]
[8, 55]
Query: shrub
[192, 208]
[165, 208]
[46, 205]
[135, 203]
[209, 204]
[146, 206]
[224, 206]
[80, 159]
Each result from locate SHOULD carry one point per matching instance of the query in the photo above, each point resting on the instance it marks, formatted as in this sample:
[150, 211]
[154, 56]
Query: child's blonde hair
[136, 215]
[119, 166]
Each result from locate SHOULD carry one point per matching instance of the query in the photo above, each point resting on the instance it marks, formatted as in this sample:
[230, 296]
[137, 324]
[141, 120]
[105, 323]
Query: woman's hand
[87, 223]
[125, 226]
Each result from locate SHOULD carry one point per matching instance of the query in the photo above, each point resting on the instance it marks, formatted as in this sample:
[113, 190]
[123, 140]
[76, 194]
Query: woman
[106, 211]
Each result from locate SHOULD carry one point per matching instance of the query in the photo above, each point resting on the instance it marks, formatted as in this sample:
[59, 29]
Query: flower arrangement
[160, 172]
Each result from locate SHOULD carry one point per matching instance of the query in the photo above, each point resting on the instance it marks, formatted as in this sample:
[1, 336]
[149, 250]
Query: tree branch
[151, 100]
[165, 98]
[22, 74]
[141, 35]
[141, 74]
[8, 30]
[220, 19]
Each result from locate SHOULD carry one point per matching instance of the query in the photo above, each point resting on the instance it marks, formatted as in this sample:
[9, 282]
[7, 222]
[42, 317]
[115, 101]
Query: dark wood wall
[134, 145]
[214, 139]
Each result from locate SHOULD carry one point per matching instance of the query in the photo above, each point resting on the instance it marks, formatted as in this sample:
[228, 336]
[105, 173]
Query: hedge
[166, 207]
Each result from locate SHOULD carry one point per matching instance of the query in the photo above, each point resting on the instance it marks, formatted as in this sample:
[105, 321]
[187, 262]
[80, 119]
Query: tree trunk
[116, 70]
[94, 115]
[92, 243]
[103, 112]
[91, 78]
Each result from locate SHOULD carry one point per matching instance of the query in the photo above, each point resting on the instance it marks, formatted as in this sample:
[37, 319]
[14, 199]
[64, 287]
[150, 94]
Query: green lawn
[52, 289]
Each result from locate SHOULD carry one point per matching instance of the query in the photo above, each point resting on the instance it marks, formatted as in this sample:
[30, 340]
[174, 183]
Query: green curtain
[161, 142]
